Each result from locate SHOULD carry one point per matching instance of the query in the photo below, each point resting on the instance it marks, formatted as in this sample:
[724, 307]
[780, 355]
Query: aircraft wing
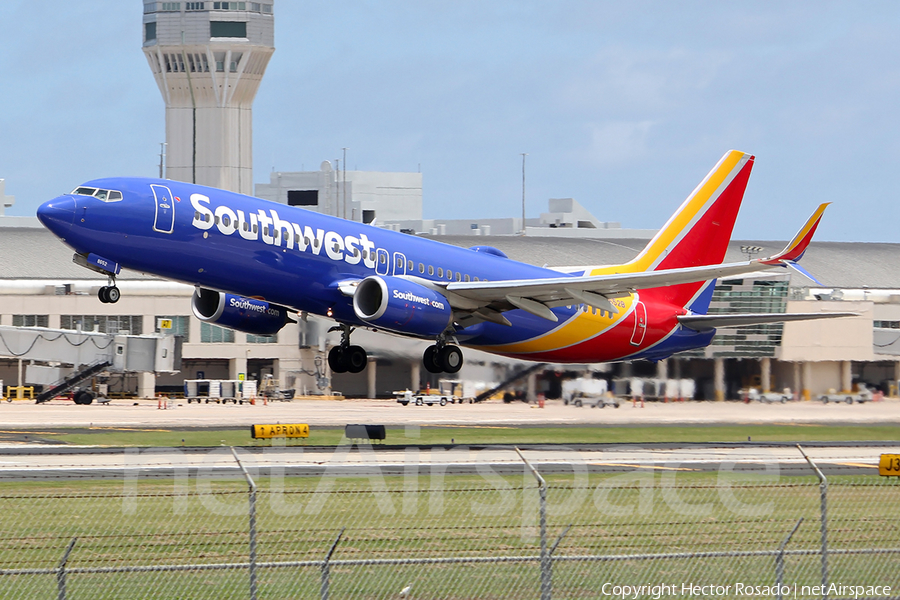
[486, 300]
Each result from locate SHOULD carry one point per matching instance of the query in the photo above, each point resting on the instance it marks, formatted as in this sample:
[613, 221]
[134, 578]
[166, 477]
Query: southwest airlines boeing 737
[253, 262]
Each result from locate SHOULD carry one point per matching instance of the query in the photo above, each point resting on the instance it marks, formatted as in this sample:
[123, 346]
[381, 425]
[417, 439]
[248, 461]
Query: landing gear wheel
[101, 293]
[451, 359]
[355, 359]
[336, 360]
[113, 294]
[83, 397]
[429, 359]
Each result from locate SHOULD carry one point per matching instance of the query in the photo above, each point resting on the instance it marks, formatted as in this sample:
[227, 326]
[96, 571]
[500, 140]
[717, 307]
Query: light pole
[523, 192]
[162, 159]
[344, 186]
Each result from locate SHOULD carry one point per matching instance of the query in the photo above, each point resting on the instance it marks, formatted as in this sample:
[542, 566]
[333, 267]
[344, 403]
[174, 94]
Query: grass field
[634, 516]
[644, 524]
[474, 435]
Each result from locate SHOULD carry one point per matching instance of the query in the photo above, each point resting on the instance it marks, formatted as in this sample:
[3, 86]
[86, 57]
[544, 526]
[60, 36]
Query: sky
[624, 106]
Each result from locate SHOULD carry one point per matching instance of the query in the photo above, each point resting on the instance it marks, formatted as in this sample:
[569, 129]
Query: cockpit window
[104, 195]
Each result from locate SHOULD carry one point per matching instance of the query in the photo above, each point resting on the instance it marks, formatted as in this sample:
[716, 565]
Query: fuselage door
[640, 323]
[399, 263]
[164, 221]
[382, 261]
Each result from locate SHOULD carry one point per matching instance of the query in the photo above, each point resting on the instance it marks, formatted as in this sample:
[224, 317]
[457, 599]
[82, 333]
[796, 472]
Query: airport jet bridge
[76, 356]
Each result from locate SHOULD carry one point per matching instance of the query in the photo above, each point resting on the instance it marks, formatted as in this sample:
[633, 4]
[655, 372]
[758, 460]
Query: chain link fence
[640, 531]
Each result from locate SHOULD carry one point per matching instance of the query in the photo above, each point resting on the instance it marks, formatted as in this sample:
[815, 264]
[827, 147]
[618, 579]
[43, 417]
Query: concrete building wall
[389, 196]
[198, 355]
[848, 338]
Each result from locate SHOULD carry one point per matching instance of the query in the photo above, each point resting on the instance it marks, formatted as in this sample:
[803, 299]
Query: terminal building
[41, 286]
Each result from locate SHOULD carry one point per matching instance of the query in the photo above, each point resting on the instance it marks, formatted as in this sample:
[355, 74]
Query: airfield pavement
[337, 413]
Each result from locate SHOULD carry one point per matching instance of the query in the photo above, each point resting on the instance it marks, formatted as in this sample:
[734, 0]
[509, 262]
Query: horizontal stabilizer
[708, 322]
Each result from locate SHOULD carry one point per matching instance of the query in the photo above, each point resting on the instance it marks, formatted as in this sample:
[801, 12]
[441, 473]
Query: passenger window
[382, 259]
[409, 265]
[255, 228]
[306, 241]
[430, 270]
[458, 276]
[421, 268]
[440, 271]
[467, 279]
[476, 278]
[399, 263]
[226, 220]
[449, 274]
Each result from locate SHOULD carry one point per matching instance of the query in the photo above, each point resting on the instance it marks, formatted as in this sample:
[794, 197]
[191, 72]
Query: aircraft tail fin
[699, 231]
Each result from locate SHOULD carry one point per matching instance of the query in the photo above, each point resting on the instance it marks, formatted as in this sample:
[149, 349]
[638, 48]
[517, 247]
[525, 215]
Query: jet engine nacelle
[237, 312]
[401, 305]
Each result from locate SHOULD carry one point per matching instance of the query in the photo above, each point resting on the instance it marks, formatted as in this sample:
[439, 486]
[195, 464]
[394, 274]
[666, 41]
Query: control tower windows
[149, 31]
[228, 29]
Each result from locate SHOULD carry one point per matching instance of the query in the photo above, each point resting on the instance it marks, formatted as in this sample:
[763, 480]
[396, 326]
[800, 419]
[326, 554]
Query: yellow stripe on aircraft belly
[583, 326]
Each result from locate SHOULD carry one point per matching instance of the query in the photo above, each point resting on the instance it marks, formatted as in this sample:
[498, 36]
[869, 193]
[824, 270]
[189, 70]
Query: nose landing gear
[109, 294]
[346, 358]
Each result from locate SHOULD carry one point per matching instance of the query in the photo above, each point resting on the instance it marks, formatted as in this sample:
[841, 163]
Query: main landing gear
[109, 294]
[346, 358]
[442, 358]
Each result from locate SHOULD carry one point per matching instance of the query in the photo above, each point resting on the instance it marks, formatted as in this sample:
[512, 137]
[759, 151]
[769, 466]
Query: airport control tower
[208, 59]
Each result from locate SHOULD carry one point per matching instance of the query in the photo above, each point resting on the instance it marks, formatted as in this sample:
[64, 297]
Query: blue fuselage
[297, 258]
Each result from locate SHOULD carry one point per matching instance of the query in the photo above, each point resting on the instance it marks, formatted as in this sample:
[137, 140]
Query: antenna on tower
[162, 160]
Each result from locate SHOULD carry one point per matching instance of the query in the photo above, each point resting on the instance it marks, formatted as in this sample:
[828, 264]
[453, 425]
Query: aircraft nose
[58, 214]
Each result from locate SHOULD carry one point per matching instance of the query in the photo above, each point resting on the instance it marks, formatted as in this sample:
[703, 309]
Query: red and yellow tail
[699, 231]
